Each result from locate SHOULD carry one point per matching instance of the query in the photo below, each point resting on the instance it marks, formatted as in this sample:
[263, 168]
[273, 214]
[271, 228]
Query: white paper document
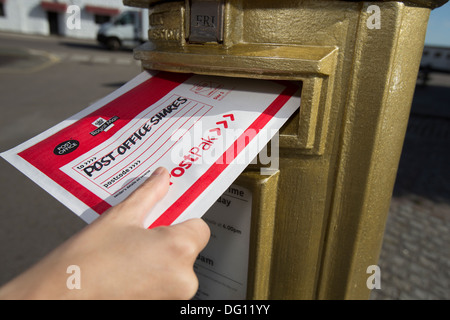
[222, 267]
[204, 130]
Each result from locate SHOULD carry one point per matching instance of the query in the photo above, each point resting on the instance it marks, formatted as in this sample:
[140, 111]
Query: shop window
[124, 19]
[100, 19]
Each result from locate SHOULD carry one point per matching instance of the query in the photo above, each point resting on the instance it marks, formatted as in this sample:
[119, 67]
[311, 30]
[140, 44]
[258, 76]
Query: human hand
[118, 258]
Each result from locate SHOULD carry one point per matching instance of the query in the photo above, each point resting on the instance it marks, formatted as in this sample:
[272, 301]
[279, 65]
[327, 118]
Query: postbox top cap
[423, 3]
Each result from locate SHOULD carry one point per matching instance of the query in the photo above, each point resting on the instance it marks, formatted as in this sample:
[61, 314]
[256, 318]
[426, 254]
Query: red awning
[102, 10]
[54, 6]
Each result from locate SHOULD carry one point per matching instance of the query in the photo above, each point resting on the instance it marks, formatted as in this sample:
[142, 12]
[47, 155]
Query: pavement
[44, 80]
[415, 257]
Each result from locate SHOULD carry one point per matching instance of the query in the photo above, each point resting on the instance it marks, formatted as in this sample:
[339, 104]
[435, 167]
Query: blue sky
[438, 32]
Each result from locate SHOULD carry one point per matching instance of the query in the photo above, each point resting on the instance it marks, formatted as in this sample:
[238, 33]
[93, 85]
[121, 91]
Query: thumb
[138, 204]
[194, 230]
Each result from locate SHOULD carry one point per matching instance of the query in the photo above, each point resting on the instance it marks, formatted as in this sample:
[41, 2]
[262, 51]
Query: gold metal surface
[264, 199]
[321, 224]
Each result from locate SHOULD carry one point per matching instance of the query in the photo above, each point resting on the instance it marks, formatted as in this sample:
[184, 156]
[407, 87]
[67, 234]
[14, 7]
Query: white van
[128, 30]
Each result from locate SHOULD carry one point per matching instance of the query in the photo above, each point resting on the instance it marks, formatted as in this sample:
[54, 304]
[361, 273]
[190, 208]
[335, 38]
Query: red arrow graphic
[216, 130]
[225, 124]
[231, 116]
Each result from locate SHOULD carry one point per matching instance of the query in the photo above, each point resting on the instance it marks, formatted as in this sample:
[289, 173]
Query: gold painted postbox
[318, 222]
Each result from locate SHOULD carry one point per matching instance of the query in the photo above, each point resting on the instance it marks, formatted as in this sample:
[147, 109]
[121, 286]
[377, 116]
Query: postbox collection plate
[206, 20]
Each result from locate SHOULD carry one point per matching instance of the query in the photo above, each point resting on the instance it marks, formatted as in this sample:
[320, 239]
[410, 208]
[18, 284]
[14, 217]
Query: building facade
[71, 18]
[436, 58]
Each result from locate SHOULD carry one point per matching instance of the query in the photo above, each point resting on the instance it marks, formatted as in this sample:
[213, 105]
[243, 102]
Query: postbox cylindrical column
[319, 220]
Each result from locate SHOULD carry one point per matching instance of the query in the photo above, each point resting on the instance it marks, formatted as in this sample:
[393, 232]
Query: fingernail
[157, 172]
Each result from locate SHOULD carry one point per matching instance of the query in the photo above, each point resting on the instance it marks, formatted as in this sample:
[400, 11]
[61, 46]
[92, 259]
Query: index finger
[139, 203]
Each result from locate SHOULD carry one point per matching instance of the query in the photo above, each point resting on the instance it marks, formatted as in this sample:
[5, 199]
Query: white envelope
[205, 130]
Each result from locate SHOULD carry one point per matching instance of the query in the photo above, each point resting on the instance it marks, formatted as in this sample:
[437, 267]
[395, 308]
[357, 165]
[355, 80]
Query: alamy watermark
[74, 280]
[236, 146]
[374, 20]
[73, 21]
[374, 280]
